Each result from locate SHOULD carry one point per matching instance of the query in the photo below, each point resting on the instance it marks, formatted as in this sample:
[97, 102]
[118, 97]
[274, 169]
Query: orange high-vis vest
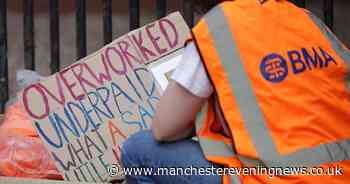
[281, 82]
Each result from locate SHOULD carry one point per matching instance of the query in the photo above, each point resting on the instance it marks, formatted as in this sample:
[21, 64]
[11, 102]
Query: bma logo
[274, 67]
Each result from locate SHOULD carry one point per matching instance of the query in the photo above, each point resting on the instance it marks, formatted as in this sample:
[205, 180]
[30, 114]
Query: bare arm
[175, 114]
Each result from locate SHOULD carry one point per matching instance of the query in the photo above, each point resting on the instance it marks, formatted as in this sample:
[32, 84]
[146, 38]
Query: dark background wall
[94, 28]
[341, 17]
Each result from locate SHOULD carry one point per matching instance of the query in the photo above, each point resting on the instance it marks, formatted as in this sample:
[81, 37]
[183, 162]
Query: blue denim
[143, 151]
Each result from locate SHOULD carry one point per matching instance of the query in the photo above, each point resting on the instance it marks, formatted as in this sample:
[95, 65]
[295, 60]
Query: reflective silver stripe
[240, 83]
[214, 148]
[210, 147]
[250, 111]
[336, 44]
[235, 179]
[200, 118]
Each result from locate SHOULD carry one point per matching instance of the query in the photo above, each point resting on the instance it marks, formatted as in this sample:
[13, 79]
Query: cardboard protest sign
[86, 111]
[12, 180]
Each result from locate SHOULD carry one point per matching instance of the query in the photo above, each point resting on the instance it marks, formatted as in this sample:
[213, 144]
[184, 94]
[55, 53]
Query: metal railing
[80, 9]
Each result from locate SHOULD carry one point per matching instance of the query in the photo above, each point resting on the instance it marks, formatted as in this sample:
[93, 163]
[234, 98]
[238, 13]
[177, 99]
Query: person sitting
[270, 80]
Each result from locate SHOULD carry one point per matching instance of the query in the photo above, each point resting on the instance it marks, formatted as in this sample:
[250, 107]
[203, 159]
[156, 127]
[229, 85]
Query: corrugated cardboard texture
[86, 111]
[8, 180]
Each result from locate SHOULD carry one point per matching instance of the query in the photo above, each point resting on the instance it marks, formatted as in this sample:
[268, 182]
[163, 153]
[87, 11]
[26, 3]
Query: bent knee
[136, 146]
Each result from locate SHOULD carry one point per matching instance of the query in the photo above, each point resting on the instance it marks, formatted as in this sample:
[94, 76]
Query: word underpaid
[85, 112]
